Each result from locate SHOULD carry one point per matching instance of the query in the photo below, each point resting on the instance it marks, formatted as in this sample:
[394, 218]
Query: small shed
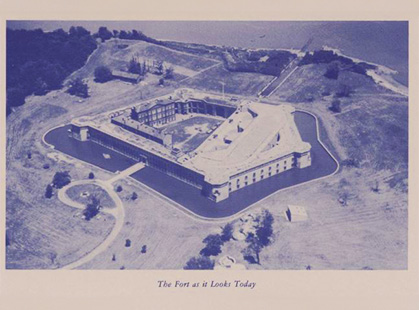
[296, 213]
[127, 76]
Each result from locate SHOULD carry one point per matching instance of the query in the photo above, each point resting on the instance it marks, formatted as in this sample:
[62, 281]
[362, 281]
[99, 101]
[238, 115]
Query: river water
[382, 42]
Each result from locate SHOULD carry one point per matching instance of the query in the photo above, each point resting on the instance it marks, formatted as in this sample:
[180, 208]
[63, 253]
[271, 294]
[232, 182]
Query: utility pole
[223, 84]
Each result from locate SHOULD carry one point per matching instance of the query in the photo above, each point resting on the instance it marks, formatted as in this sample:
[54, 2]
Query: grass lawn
[75, 193]
[51, 234]
[190, 133]
[240, 83]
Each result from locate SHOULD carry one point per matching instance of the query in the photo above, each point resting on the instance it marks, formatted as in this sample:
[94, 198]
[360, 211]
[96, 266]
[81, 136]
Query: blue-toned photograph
[215, 145]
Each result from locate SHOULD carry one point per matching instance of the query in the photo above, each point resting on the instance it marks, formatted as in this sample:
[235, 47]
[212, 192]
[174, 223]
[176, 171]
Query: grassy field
[190, 133]
[75, 193]
[370, 232]
[49, 234]
[246, 84]
[171, 237]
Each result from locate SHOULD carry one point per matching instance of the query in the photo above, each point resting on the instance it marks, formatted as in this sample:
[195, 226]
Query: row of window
[258, 176]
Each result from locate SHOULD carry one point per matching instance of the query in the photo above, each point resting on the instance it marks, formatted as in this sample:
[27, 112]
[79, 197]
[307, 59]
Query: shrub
[103, 74]
[127, 243]
[134, 196]
[119, 188]
[61, 179]
[48, 191]
[45, 166]
[91, 175]
[144, 249]
[199, 263]
[169, 73]
[351, 162]
[335, 107]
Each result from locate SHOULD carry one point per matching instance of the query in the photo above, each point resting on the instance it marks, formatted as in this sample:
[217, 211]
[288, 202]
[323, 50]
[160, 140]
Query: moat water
[190, 197]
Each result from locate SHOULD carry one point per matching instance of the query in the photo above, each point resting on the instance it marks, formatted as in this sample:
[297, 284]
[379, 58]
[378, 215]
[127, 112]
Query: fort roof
[253, 135]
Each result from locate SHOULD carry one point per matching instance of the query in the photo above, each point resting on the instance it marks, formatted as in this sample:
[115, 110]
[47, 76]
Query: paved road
[279, 80]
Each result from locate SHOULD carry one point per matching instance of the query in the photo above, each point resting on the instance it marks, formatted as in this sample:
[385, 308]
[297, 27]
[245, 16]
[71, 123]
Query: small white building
[296, 213]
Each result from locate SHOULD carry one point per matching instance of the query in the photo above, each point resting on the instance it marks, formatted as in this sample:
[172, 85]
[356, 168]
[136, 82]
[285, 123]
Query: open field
[370, 232]
[51, 234]
[238, 83]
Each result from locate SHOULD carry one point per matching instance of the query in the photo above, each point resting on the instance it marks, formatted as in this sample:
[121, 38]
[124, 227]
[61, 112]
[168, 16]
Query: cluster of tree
[38, 62]
[156, 67]
[104, 34]
[92, 208]
[239, 60]
[61, 179]
[103, 74]
[337, 63]
[79, 88]
[199, 263]
[213, 244]
[261, 239]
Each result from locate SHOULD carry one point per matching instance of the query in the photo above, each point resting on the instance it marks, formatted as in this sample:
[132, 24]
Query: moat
[190, 197]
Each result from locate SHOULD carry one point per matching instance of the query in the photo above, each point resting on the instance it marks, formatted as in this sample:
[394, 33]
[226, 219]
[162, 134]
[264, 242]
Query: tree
[199, 263]
[103, 74]
[161, 82]
[48, 191]
[227, 232]
[159, 67]
[264, 231]
[78, 88]
[134, 196]
[169, 73]
[134, 66]
[91, 175]
[262, 238]
[213, 245]
[92, 208]
[119, 188]
[61, 179]
[104, 34]
[252, 252]
[144, 249]
[335, 107]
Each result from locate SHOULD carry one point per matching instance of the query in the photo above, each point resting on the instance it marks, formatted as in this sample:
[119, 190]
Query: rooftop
[254, 134]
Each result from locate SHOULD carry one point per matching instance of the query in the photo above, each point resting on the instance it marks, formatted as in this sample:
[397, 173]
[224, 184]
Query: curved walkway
[118, 213]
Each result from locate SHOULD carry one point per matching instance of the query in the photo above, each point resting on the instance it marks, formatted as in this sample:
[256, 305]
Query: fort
[213, 143]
